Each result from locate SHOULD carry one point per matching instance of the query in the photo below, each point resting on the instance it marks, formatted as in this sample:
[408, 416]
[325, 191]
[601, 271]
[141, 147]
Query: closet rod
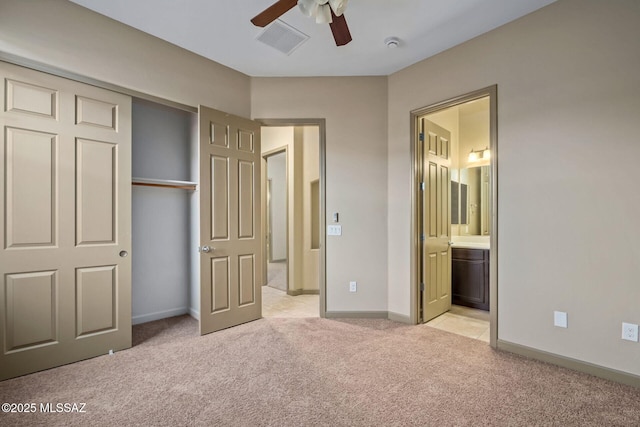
[164, 183]
[191, 187]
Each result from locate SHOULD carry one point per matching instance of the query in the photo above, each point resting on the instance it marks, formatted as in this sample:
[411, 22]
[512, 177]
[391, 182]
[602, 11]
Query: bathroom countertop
[471, 245]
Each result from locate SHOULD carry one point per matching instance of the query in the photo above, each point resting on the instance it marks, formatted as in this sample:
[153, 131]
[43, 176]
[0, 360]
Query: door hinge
[421, 137]
[421, 287]
[423, 186]
[422, 237]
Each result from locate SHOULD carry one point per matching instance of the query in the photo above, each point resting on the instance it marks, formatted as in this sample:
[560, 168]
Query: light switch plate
[334, 230]
[560, 319]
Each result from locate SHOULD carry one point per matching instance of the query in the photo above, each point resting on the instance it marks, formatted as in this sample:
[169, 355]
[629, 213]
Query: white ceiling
[221, 30]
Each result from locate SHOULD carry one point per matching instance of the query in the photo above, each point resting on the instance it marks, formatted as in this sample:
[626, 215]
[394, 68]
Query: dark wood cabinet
[470, 277]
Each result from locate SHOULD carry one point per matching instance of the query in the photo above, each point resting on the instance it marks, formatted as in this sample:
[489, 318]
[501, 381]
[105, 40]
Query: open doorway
[276, 221]
[455, 226]
[292, 217]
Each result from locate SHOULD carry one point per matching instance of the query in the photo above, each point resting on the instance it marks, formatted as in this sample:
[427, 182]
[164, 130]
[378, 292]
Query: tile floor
[459, 320]
[466, 321]
[276, 303]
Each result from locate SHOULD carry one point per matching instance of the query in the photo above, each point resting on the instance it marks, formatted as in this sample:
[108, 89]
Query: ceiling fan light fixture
[308, 7]
[338, 6]
[323, 15]
[321, 9]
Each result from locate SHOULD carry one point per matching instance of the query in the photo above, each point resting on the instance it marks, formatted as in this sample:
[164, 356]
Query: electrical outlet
[630, 332]
[353, 286]
[560, 319]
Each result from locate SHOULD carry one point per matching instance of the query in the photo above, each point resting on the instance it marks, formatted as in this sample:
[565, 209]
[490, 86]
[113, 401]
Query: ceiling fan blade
[340, 29]
[273, 12]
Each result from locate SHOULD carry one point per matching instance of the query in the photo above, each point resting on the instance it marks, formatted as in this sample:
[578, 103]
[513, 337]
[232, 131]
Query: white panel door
[65, 177]
[435, 221]
[230, 225]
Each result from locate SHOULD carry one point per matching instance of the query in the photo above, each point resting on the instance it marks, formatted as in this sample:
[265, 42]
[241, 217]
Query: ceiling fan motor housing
[321, 9]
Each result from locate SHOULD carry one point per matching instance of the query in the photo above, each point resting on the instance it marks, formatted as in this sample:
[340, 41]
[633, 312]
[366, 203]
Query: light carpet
[318, 372]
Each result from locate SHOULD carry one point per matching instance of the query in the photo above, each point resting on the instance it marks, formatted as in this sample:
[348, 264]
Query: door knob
[450, 243]
[205, 249]
[123, 254]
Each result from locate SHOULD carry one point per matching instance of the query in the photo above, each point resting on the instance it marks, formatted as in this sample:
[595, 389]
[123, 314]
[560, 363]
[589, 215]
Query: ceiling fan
[325, 12]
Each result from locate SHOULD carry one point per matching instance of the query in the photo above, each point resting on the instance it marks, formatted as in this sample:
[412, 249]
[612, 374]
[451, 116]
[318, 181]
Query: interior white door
[65, 177]
[230, 222]
[435, 220]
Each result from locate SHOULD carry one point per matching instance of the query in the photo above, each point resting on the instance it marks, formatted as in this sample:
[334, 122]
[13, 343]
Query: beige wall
[67, 36]
[568, 107]
[356, 175]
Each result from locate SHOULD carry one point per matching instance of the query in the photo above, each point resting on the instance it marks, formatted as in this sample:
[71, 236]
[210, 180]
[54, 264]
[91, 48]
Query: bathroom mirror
[469, 125]
[470, 201]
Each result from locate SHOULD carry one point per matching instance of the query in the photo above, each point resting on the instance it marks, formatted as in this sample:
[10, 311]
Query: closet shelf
[164, 183]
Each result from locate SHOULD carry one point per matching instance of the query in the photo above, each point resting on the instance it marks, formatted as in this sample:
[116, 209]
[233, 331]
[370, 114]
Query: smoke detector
[392, 42]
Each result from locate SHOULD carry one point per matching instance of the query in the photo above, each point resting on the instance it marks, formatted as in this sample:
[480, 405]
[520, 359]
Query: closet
[165, 212]
[101, 219]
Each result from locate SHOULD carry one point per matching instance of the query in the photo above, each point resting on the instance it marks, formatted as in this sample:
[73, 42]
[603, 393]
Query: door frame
[321, 124]
[265, 206]
[492, 93]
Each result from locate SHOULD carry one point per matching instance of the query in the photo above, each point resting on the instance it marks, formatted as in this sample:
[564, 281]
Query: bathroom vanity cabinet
[470, 277]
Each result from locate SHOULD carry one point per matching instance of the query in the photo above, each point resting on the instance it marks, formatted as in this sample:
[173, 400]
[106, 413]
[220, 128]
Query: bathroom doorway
[454, 215]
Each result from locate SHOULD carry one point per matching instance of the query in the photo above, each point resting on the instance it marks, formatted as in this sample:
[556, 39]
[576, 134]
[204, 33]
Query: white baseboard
[194, 313]
[150, 317]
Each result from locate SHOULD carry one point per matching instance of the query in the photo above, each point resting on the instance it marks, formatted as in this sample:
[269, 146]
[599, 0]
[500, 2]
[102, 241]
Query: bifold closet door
[230, 226]
[65, 177]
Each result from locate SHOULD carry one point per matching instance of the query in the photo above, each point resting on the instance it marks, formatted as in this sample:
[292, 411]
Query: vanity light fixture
[476, 155]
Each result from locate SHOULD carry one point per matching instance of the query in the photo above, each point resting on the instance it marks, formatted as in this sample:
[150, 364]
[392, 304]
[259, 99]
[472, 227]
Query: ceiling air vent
[282, 37]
